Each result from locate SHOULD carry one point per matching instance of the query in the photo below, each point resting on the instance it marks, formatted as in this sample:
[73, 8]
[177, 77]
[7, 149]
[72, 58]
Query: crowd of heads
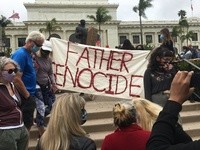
[127, 45]
[68, 112]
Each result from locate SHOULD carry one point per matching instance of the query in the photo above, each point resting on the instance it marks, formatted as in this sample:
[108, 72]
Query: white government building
[68, 13]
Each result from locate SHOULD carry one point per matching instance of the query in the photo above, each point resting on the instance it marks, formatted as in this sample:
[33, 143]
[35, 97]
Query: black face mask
[83, 116]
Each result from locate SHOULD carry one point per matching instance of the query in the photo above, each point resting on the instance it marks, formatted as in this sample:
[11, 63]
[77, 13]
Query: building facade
[68, 13]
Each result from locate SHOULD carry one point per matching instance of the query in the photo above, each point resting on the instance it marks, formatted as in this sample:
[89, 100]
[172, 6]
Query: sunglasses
[10, 71]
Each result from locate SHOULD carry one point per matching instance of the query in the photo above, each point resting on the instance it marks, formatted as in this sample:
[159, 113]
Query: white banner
[97, 70]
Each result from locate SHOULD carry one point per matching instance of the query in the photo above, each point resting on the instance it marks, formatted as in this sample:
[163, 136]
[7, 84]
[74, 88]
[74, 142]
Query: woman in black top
[159, 75]
[164, 135]
[166, 39]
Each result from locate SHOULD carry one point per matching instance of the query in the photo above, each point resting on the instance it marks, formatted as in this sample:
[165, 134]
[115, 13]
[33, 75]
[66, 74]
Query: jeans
[48, 97]
[40, 108]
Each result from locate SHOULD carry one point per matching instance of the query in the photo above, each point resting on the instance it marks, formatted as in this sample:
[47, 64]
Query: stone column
[130, 37]
[13, 44]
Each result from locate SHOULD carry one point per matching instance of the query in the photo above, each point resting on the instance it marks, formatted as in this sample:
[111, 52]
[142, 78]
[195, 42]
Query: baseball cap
[47, 46]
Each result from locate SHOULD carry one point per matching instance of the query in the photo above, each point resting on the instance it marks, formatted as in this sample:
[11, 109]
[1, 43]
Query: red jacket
[10, 114]
[129, 138]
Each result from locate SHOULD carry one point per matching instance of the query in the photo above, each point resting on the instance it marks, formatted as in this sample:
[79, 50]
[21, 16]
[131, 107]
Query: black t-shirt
[169, 45]
[155, 82]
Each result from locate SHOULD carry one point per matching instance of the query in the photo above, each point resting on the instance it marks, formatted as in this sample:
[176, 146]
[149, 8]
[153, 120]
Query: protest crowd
[30, 79]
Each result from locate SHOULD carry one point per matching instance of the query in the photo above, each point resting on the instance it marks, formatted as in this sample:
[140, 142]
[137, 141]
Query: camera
[187, 65]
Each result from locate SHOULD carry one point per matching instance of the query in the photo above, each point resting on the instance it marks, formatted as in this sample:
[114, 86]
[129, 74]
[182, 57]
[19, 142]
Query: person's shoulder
[147, 71]
[20, 52]
[82, 143]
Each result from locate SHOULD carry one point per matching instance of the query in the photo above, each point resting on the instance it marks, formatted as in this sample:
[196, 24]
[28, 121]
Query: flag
[14, 15]
[191, 5]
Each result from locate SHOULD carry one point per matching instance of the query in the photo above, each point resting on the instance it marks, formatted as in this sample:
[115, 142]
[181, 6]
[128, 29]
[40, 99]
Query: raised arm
[163, 136]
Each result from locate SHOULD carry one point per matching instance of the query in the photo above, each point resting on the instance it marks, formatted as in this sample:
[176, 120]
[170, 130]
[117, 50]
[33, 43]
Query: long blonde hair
[147, 112]
[64, 123]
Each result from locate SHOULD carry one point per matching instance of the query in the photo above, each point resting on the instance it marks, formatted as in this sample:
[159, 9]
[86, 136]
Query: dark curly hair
[158, 52]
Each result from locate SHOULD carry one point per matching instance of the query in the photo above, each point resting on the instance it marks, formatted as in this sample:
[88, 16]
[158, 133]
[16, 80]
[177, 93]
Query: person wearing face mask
[13, 133]
[64, 130]
[46, 84]
[166, 39]
[27, 74]
[159, 75]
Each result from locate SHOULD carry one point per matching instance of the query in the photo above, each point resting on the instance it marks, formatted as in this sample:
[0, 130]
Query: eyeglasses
[10, 71]
[38, 45]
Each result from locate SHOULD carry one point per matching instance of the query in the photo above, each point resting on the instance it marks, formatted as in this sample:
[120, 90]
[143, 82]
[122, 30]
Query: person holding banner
[44, 75]
[27, 73]
[159, 75]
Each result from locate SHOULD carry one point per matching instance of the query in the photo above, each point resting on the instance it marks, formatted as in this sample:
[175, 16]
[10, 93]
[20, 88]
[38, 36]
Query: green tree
[51, 26]
[184, 32]
[140, 8]
[175, 32]
[183, 23]
[182, 14]
[101, 17]
[3, 23]
[188, 37]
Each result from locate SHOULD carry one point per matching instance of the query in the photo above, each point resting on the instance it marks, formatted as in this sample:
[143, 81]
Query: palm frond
[50, 26]
[135, 9]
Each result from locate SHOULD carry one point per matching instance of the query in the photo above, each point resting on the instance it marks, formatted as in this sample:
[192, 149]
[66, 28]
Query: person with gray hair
[128, 135]
[27, 74]
[13, 134]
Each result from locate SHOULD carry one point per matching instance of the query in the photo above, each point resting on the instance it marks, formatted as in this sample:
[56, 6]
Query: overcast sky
[161, 10]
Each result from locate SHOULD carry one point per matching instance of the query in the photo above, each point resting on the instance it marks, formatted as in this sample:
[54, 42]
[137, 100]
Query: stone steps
[99, 125]
[190, 115]
[192, 128]
[100, 121]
